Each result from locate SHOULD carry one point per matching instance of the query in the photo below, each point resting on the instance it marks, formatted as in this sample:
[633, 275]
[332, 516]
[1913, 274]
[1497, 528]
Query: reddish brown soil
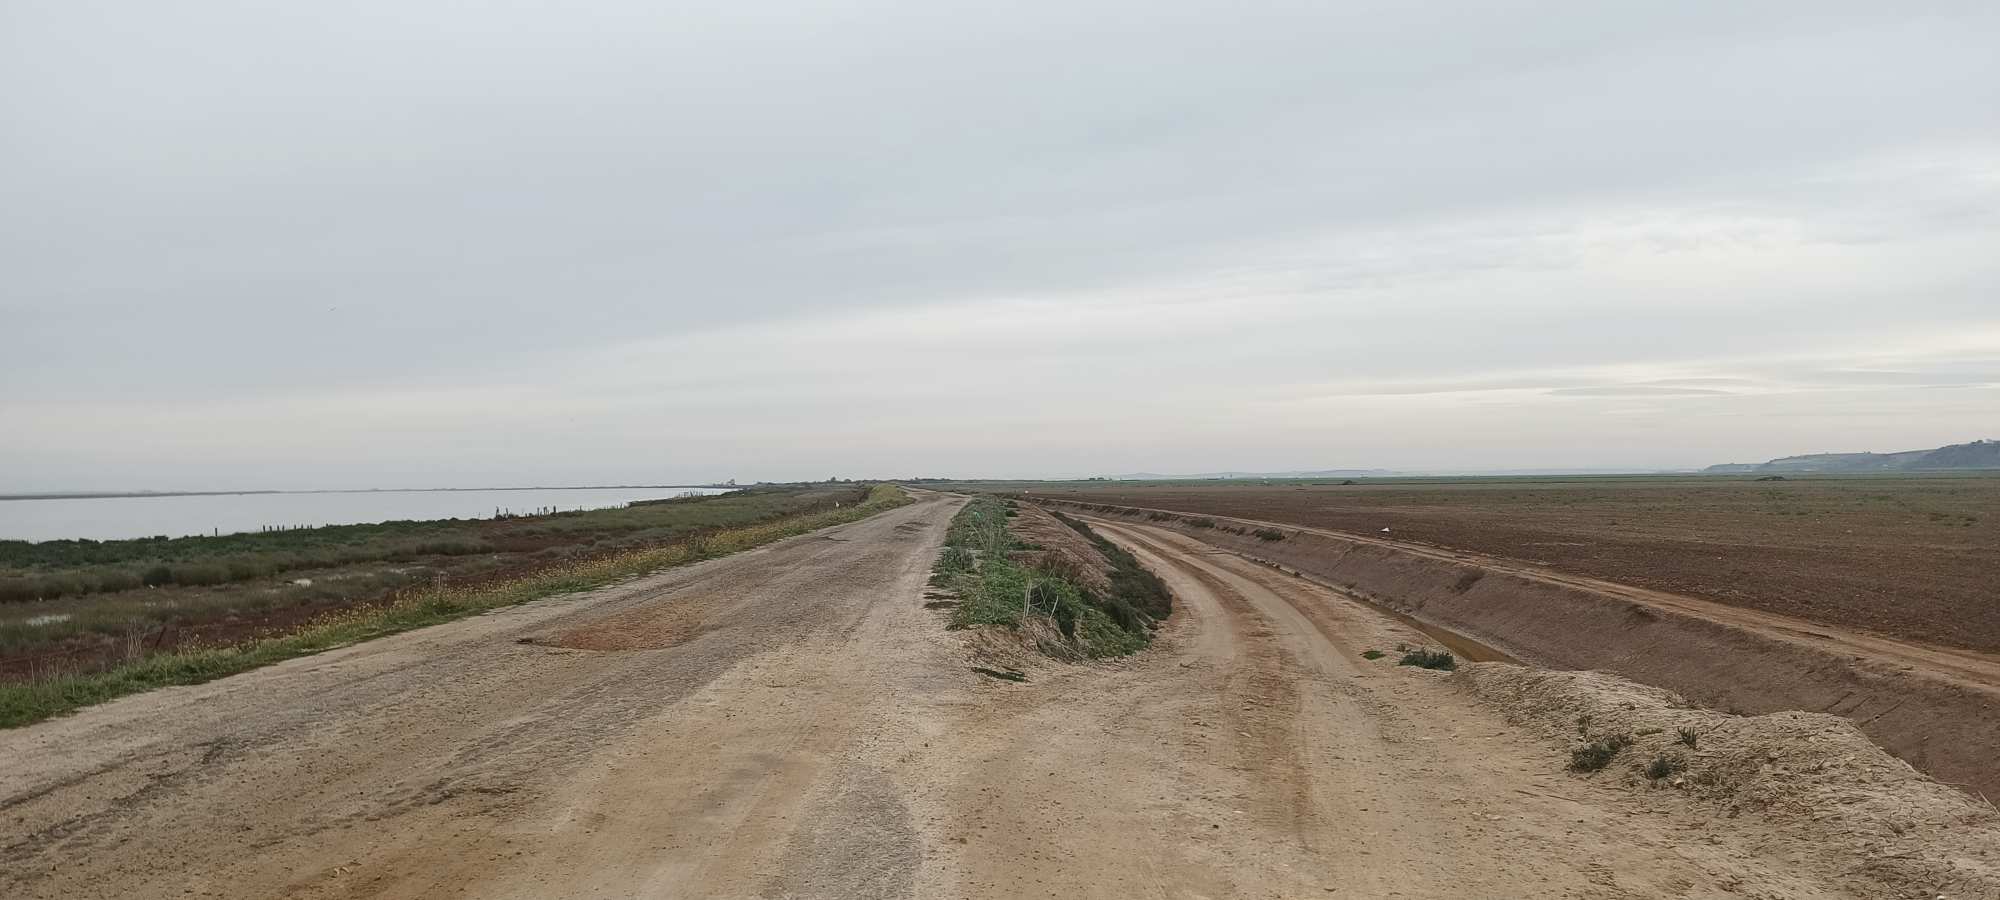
[1915, 558]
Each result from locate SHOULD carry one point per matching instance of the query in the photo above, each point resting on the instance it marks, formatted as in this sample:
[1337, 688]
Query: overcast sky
[415, 242]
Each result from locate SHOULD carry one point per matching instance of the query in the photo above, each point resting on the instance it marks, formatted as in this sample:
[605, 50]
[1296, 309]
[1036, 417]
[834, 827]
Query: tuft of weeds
[954, 560]
[1269, 534]
[1429, 659]
[1598, 752]
[1372, 654]
[1689, 737]
[1664, 766]
[1201, 522]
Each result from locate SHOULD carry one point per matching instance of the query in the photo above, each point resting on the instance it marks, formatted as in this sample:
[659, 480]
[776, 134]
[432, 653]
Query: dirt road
[791, 722]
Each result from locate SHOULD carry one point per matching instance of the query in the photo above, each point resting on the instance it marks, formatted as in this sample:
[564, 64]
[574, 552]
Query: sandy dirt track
[791, 722]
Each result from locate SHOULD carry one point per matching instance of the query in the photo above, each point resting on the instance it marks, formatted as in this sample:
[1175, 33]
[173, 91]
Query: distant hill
[1976, 455]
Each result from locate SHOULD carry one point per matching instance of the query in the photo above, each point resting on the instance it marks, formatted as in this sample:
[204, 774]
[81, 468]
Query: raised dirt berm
[1936, 708]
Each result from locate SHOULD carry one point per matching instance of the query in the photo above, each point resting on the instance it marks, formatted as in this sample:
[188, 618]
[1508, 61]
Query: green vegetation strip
[28, 702]
[995, 589]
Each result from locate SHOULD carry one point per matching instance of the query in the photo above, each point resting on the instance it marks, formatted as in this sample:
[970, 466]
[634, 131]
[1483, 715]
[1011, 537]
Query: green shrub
[114, 580]
[199, 574]
[18, 590]
[246, 569]
[1429, 659]
[49, 587]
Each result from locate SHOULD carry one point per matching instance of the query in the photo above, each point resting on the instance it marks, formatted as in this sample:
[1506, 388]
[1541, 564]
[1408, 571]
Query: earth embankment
[1937, 708]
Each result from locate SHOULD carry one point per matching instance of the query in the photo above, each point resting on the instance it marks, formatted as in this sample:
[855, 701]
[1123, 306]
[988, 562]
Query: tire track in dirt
[791, 722]
[1421, 790]
[459, 761]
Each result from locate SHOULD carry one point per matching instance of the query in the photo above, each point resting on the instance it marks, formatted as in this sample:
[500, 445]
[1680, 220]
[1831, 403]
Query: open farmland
[1914, 557]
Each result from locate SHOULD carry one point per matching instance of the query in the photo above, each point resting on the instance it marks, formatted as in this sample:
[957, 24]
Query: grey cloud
[217, 205]
[1635, 390]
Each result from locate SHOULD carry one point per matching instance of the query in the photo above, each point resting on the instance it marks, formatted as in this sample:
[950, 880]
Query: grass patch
[1269, 534]
[1441, 660]
[995, 589]
[1664, 766]
[23, 703]
[1598, 752]
[1372, 654]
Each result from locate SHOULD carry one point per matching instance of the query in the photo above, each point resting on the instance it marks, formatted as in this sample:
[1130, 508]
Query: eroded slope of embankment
[1944, 721]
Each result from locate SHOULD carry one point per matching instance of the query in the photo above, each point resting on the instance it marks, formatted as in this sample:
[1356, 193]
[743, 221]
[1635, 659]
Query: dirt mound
[1044, 584]
[1821, 785]
[1032, 648]
[1059, 548]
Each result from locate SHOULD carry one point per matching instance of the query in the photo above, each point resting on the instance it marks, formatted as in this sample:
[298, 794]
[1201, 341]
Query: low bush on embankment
[24, 702]
[1093, 602]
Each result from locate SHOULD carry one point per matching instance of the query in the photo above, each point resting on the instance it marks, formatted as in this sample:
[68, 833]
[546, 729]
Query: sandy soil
[790, 722]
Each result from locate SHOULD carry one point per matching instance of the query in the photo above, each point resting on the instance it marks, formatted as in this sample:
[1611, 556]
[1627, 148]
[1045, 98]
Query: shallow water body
[110, 518]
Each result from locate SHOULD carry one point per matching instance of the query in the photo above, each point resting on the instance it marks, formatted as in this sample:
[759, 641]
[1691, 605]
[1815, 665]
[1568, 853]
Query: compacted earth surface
[793, 721]
[1912, 556]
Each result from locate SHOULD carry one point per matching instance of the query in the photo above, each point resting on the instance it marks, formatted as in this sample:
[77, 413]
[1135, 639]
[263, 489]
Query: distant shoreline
[114, 495]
